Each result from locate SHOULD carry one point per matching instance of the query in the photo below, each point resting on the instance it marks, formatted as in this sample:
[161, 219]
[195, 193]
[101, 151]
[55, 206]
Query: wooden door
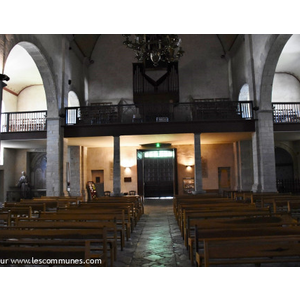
[224, 178]
[158, 176]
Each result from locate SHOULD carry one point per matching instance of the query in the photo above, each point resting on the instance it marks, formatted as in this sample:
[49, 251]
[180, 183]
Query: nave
[156, 240]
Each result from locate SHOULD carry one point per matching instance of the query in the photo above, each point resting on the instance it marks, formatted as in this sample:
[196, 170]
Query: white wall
[286, 88]
[9, 102]
[32, 99]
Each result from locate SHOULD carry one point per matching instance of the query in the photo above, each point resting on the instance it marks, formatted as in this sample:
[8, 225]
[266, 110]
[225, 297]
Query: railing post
[7, 122]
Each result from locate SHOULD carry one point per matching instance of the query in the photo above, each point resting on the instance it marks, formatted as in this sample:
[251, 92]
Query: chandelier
[155, 47]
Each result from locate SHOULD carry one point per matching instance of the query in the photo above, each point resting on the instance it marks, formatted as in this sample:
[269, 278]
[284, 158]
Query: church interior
[150, 150]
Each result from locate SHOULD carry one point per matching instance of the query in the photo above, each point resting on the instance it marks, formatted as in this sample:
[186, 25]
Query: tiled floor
[156, 240]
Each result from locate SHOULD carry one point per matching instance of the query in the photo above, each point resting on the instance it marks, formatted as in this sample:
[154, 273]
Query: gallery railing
[24, 121]
[206, 110]
[286, 112]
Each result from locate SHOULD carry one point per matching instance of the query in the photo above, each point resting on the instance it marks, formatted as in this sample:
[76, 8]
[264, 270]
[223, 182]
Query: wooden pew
[127, 207]
[121, 213]
[62, 201]
[201, 234]
[49, 204]
[249, 250]
[203, 208]
[53, 243]
[135, 201]
[185, 203]
[193, 219]
[5, 218]
[35, 207]
[16, 212]
[122, 228]
[111, 227]
[237, 222]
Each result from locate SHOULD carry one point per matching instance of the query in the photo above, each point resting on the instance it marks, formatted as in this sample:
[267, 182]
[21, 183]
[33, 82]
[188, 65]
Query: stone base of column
[256, 188]
[199, 192]
[116, 194]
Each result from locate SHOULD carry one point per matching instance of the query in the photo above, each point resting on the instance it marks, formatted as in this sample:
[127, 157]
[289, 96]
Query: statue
[24, 185]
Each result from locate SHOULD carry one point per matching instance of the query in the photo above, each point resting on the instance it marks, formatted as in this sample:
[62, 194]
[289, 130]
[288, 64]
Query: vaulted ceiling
[23, 72]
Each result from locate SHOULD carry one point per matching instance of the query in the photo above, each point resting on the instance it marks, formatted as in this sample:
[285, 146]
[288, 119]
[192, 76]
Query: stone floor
[156, 240]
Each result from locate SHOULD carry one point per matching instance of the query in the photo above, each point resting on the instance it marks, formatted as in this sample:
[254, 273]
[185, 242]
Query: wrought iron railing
[206, 110]
[24, 121]
[286, 112]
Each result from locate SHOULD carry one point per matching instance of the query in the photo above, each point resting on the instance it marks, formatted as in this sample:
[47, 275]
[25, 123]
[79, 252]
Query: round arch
[278, 43]
[73, 100]
[244, 94]
[46, 74]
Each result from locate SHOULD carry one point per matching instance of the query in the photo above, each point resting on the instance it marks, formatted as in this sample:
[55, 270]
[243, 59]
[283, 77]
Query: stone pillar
[75, 170]
[244, 165]
[236, 154]
[198, 165]
[2, 86]
[263, 148]
[54, 172]
[117, 167]
[2, 188]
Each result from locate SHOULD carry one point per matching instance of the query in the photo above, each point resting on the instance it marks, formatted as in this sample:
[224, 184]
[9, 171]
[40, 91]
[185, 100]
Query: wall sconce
[189, 167]
[127, 170]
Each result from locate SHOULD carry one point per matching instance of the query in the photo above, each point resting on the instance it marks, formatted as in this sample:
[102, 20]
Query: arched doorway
[284, 170]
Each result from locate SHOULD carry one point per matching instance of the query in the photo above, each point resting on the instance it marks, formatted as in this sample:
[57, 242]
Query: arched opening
[25, 90]
[31, 90]
[286, 84]
[73, 100]
[47, 78]
[244, 94]
[277, 44]
[71, 114]
[24, 102]
[284, 170]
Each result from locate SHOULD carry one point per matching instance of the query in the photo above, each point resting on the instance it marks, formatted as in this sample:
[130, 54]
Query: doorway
[98, 179]
[157, 173]
[224, 179]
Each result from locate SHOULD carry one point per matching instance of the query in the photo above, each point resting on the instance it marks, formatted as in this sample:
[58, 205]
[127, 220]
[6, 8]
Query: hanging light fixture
[155, 47]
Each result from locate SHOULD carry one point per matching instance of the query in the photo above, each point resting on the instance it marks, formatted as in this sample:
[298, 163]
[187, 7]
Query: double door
[158, 174]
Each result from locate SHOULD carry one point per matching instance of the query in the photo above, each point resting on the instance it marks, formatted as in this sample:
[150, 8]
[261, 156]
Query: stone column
[75, 170]
[198, 165]
[117, 167]
[2, 85]
[236, 155]
[263, 148]
[245, 165]
[3, 77]
[54, 173]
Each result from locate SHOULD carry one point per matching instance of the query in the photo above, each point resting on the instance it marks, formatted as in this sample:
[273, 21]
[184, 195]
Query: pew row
[241, 251]
[57, 244]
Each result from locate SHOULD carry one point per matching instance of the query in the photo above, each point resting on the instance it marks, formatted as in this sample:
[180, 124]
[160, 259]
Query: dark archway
[284, 171]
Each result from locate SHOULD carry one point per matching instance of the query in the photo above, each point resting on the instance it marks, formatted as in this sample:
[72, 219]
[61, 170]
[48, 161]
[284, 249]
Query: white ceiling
[174, 139]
